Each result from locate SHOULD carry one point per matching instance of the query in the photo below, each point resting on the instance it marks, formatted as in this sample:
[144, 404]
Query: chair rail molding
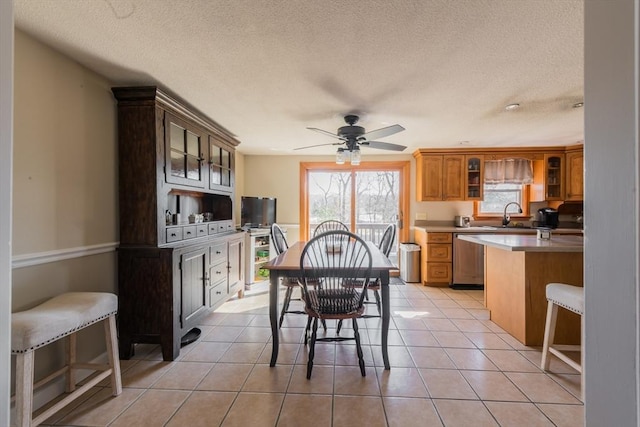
[29, 260]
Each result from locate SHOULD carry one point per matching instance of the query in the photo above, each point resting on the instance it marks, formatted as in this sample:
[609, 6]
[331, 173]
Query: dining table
[287, 264]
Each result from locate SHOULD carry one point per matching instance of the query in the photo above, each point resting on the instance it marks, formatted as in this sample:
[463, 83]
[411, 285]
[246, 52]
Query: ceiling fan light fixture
[340, 156]
[355, 156]
[512, 107]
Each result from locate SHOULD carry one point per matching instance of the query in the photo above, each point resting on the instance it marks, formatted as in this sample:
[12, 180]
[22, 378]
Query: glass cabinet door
[220, 166]
[554, 177]
[474, 177]
[183, 164]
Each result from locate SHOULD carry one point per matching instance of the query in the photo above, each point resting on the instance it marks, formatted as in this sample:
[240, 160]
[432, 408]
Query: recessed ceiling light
[578, 105]
[511, 107]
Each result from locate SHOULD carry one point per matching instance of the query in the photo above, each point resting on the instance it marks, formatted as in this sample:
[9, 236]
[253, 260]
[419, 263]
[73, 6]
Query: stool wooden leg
[71, 361]
[549, 334]
[111, 336]
[24, 388]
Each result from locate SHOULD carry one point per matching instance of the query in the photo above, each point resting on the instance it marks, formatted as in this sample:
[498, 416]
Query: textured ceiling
[268, 69]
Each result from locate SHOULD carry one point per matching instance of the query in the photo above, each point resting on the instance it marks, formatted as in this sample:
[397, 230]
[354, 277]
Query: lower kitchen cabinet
[164, 292]
[435, 257]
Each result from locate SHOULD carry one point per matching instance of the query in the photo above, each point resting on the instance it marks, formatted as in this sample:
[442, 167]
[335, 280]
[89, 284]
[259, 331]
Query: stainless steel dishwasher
[468, 264]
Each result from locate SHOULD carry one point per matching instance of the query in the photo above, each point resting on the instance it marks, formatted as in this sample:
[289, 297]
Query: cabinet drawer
[189, 232]
[213, 227]
[218, 253]
[202, 230]
[217, 293]
[174, 234]
[218, 272]
[439, 238]
[439, 272]
[439, 252]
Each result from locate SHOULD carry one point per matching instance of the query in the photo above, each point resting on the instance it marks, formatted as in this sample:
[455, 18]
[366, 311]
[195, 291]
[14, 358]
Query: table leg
[386, 316]
[273, 315]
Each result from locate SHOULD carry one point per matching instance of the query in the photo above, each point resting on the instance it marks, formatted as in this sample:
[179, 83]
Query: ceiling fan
[354, 136]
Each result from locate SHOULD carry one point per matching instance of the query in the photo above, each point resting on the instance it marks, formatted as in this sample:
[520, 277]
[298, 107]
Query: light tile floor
[451, 366]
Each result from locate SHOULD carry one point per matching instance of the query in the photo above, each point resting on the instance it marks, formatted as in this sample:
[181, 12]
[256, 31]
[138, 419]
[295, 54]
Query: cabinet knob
[173, 234]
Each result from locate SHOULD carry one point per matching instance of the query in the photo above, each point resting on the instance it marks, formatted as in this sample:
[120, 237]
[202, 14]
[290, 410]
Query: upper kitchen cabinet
[554, 176]
[474, 177]
[574, 174]
[440, 177]
[429, 178]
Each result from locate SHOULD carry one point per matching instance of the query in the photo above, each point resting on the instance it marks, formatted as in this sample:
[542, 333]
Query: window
[497, 196]
[366, 197]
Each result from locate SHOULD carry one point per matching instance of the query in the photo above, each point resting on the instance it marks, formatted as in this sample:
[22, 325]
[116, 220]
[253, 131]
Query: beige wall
[64, 153]
[64, 182]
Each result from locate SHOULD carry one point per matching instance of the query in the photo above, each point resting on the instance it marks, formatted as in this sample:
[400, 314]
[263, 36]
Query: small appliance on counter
[462, 221]
[547, 218]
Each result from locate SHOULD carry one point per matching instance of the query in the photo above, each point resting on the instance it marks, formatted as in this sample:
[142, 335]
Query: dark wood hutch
[174, 264]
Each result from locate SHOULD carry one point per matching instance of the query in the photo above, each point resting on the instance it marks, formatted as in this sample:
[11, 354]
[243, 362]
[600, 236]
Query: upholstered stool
[50, 321]
[571, 298]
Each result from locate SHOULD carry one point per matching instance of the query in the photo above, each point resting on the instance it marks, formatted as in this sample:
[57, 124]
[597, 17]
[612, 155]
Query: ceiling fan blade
[383, 145]
[381, 133]
[319, 145]
[324, 132]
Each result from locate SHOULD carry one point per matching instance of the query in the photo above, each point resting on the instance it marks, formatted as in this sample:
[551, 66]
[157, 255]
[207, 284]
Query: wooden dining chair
[330, 225]
[290, 283]
[343, 262]
[385, 245]
[280, 245]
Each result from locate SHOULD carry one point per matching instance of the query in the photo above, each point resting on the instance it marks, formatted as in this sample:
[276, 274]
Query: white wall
[6, 143]
[611, 212]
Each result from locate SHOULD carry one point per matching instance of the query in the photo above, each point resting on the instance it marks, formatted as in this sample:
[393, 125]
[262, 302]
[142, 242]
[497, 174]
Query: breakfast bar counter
[517, 270]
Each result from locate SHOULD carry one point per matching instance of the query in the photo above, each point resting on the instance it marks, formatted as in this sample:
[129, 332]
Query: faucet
[505, 217]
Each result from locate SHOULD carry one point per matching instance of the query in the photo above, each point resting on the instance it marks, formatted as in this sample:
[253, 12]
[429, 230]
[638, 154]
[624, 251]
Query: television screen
[258, 211]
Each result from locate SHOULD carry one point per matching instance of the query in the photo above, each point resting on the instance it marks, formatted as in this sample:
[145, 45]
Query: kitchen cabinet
[435, 257]
[440, 177]
[474, 177]
[171, 273]
[575, 174]
[458, 174]
[554, 176]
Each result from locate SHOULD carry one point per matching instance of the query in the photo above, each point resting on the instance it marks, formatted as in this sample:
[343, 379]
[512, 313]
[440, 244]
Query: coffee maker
[547, 218]
[461, 221]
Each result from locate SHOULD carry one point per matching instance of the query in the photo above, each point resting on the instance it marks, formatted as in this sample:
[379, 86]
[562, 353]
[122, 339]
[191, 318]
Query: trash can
[410, 262]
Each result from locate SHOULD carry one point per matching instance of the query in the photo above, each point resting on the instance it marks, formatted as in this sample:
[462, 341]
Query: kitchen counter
[517, 271]
[527, 243]
[488, 229]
